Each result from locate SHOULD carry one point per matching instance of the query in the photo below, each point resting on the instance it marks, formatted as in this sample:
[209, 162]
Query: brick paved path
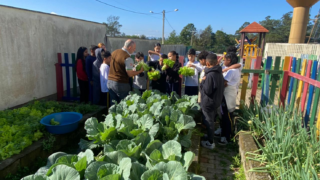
[215, 164]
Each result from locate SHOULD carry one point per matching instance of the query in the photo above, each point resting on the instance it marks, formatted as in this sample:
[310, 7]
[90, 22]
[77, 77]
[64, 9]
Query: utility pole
[163, 19]
[192, 32]
[163, 14]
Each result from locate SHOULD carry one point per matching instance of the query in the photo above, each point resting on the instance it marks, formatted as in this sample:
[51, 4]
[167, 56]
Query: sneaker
[217, 133]
[207, 144]
[223, 141]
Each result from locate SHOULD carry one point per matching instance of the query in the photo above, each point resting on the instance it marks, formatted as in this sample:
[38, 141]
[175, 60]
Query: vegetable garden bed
[142, 137]
[285, 147]
[28, 154]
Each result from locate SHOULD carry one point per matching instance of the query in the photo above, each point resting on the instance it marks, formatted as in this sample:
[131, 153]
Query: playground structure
[250, 48]
[246, 46]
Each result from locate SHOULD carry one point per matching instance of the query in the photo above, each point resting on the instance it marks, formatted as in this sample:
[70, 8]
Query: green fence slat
[260, 71]
[274, 80]
[295, 84]
[315, 103]
[74, 76]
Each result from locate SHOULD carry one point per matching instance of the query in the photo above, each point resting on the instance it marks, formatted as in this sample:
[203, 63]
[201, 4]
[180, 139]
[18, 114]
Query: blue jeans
[118, 91]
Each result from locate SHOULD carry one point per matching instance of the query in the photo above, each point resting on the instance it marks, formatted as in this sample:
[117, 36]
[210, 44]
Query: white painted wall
[295, 50]
[29, 43]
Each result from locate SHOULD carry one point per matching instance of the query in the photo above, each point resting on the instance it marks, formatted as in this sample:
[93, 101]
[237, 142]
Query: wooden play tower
[253, 50]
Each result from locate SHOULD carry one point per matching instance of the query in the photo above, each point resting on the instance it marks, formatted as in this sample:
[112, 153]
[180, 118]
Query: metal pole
[163, 13]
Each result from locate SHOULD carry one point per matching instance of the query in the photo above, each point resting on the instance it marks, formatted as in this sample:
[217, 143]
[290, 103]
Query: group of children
[216, 87]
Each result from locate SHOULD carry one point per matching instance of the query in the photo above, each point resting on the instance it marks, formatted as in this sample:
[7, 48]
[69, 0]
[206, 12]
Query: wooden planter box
[31, 153]
[247, 144]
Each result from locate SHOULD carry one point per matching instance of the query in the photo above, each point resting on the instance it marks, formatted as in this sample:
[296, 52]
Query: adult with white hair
[121, 69]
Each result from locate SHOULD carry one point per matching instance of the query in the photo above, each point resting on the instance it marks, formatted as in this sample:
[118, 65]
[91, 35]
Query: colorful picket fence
[66, 95]
[297, 80]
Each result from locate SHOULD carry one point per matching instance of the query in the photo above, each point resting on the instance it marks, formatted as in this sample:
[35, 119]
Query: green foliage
[20, 127]
[186, 71]
[144, 65]
[113, 26]
[53, 122]
[167, 63]
[289, 151]
[186, 34]
[173, 38]
[154, 74]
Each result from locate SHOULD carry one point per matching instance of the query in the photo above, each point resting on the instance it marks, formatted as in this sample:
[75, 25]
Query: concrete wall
[29, 43]
[144, 45]
[296, 50]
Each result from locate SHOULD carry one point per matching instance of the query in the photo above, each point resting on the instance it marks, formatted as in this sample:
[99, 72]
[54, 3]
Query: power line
[122, 8]
[169, 23]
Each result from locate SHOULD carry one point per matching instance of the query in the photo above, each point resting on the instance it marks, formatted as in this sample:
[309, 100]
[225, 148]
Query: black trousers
[84, 91]
[226, 121]
[208, 121]
[191, 90]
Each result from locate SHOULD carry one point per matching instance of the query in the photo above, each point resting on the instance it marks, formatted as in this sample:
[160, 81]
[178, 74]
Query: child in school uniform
[140, 80]
[172, 75]
[155, 55]
[89, 63]
[202, 59]
[232, 79]
[82, 74]
[104, 72]
[191, 82]
[158, 84]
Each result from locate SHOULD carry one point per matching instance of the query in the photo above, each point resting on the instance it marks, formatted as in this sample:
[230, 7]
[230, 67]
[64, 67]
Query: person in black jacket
[159, 84]
[211, 87]
[172, 75]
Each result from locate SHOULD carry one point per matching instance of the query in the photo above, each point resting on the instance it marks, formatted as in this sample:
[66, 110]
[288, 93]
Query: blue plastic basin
[68, 122]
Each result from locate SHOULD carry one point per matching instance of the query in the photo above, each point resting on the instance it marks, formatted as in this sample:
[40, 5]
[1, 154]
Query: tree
[113, 26]
[186, 34]
[173, 38]
[143, 36]
[206, 39]
[273, 25]
[222, 42]
[238, 34]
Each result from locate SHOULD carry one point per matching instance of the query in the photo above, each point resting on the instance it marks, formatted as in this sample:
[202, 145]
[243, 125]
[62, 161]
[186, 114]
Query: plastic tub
[68, 122]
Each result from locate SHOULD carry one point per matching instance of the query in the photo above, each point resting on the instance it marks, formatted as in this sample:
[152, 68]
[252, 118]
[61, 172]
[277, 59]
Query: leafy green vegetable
[186, 71]
[53, 122]
[154, 74]
[167, 63]
[144, 65]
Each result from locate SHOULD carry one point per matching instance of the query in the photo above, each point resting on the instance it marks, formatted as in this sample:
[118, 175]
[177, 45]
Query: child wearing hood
[211, 87]
[96, 77]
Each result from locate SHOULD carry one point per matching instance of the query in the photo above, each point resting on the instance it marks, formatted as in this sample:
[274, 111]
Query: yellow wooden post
[304, 65]
[245, 80]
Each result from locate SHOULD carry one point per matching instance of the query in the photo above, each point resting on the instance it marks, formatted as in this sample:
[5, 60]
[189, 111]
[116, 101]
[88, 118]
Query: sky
[226, 15]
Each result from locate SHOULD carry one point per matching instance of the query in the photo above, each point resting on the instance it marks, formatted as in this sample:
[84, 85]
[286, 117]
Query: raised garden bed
[141, 137]
[27, 156]
[247, 144]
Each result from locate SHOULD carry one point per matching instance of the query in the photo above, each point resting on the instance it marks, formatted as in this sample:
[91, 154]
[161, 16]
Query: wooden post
[74, 75]
[274, 80]
[316, 100]
[311, 93]
[295, 83]
[293, 69]
[255, 79]
[305, 86]
[263, 42]
[260, 38]
[303, 70]
[242, 44]
[245, 78]
[59, 79]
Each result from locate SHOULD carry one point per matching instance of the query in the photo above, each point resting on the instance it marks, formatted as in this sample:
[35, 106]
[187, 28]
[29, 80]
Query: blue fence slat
[265, 86]
[293, 69]
[311, 92]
